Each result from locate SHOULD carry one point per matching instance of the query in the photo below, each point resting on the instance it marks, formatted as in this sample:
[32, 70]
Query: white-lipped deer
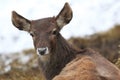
[54, 50]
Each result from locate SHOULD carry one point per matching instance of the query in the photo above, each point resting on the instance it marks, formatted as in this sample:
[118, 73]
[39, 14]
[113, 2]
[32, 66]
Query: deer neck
[63, 49]
[62, 54]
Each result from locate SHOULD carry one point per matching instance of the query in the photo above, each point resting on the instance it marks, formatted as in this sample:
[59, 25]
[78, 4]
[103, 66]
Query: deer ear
[65, 16]
[20, 22]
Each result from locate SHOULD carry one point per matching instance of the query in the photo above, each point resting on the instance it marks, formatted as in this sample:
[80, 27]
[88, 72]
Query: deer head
[44, 31]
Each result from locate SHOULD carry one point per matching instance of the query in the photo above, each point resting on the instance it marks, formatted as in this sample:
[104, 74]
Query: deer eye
[32, 34]
[54, 32]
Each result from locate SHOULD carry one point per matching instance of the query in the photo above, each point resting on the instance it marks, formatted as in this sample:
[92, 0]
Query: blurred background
[95, 24]
[89, 16]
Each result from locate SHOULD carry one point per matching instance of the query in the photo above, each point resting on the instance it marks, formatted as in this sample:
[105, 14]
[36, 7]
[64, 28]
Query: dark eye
[31, 33]
[54, 32]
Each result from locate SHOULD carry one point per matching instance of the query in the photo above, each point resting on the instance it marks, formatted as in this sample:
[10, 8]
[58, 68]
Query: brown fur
[45, 33]
[79, 69]
[89, 66]
[58, 59]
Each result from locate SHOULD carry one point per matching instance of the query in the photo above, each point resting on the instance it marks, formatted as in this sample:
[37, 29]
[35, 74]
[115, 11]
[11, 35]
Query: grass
[19, 74]
[105, 42]
[24, 71]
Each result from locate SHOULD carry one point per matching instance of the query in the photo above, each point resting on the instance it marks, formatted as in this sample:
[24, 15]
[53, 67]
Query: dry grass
[19, 74]
[118, 63]
[21, 70]
[106, 43]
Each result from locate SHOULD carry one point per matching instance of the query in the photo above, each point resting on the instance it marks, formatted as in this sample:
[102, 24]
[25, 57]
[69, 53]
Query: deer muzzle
[42, 51]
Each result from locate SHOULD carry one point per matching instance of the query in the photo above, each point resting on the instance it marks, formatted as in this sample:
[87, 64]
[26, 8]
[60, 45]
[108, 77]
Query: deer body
[55, 52]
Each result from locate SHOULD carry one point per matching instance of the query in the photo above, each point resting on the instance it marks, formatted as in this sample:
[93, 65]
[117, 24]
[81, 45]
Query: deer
[56, 54]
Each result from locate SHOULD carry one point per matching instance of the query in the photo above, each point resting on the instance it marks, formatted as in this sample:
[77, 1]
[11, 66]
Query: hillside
[24, 65]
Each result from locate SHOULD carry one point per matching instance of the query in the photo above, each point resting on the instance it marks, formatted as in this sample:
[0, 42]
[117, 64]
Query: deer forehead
[46, 24]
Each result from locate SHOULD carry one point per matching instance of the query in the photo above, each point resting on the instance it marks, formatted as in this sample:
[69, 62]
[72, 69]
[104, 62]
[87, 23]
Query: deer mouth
[42, 51]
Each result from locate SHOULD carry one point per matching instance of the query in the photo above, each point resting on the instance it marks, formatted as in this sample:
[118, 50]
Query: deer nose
[42, 51]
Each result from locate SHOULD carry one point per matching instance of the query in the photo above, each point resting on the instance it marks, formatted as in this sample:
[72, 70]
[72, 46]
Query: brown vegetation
[107, 46]
[57, 57]
[104, 42]
[19, 74]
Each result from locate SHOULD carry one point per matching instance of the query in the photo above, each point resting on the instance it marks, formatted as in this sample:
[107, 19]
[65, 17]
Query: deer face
[44, 31]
